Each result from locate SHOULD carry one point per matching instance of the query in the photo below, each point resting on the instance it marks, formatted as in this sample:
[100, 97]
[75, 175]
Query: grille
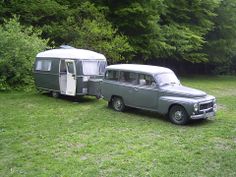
[206, 106]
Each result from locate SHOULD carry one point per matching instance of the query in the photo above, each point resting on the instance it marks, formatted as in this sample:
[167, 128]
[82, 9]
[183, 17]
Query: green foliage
[221, 46]
[138, 21]
[188, 31]
[89, 29]
[184, 25]
[19, 46]
[80, 24]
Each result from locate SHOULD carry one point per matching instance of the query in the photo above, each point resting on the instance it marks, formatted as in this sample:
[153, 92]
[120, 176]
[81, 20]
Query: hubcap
[118, 105]
[178, 115]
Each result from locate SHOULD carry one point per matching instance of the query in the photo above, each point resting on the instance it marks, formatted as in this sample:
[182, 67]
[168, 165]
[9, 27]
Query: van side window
[43, 65]
[112, 75]
[129, 77]
[146, 80]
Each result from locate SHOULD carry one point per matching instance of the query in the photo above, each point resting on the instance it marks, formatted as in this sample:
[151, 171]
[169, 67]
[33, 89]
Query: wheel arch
[113, 96]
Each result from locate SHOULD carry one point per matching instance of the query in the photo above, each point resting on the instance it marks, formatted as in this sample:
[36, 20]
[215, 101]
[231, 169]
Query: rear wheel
[55, 94]
[118, 104]
[178, 115]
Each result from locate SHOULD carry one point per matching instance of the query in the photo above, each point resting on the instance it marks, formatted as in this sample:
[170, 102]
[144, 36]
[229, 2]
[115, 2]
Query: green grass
[43, 136]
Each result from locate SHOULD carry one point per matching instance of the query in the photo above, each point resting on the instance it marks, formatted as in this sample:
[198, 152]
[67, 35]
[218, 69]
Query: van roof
[140, 68]
[71, 53]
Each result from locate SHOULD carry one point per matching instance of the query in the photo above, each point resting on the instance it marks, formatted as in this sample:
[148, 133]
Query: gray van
[69, 71]
[156, 89]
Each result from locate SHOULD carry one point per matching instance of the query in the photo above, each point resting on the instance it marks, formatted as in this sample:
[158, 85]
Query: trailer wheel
[178, 115]
[55, 94]
[118, 104]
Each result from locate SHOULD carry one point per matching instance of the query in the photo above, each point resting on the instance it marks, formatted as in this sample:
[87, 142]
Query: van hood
[179, 90]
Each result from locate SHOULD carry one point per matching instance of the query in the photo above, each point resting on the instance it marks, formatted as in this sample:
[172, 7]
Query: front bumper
[204, 115]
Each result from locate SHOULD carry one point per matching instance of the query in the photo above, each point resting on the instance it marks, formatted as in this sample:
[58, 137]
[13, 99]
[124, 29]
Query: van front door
[145, 94]
[68, 77]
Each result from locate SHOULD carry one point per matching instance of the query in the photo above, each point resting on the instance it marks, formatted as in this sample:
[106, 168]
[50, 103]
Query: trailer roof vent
[66, 47]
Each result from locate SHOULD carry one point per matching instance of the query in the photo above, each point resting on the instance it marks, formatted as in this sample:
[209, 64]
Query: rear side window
[43, 65]
[146, 80]
[129, 77]
[112, 75]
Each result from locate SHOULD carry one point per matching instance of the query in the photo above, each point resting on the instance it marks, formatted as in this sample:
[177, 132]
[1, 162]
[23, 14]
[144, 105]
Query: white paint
[140, 68]
[71, 78]
[67, 79]
[71, 53]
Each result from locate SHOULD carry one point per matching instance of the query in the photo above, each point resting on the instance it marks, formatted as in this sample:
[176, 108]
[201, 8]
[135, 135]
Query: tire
[109, 104]
[178, 115]
[55, 94]
[118, 104]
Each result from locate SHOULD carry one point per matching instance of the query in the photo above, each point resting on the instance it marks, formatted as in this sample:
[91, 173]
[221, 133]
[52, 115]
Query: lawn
[44, 136]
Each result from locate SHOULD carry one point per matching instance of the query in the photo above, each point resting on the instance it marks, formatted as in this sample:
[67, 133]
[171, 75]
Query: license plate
[210, 114]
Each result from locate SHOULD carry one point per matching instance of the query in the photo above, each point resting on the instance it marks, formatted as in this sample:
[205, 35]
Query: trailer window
[93, 67]
[43, 65]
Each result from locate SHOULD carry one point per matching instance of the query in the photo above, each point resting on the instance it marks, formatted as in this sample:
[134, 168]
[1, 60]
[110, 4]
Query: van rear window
[43, 65]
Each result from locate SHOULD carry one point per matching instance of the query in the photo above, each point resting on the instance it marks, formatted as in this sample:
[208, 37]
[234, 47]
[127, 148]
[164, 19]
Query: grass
[43, 136]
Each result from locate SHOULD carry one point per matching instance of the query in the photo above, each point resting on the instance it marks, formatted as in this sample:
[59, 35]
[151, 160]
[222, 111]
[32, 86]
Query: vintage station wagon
[156, 89]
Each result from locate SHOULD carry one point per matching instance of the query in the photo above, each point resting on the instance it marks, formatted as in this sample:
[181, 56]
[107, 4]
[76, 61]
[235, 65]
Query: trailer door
[71, 77]
[67, 77]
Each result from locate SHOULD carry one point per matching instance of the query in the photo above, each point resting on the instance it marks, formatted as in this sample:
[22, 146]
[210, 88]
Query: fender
[165, 102]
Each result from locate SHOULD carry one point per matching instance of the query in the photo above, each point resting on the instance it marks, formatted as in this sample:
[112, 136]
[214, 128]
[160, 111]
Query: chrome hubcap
[118, 104]
[178, 115]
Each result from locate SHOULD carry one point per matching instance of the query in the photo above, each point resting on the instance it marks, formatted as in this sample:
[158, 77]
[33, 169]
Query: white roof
[71, 53]
[140, 68]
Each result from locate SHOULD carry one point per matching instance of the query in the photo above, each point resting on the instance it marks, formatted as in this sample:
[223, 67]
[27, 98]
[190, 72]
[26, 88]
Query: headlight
[214, 107]
[195, 107]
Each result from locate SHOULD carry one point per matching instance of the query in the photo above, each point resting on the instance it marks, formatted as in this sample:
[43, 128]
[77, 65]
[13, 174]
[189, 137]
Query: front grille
[206, 106]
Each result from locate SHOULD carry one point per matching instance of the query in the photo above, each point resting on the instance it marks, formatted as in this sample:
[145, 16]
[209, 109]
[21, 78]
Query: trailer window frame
[43, 65]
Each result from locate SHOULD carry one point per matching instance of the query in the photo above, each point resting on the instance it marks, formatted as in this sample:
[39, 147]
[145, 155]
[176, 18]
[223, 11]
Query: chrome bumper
[205, 115]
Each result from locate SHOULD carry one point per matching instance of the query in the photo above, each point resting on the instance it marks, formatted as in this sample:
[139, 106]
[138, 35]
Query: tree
[138, 20]
[78, 23]
[87, 28]
[19, 46]
[184, 25]
[221, 45]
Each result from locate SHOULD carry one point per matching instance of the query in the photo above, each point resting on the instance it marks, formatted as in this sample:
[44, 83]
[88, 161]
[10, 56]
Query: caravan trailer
[69, 71]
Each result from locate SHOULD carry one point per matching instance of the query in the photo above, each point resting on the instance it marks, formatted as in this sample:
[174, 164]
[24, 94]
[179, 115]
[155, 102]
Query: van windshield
[94, 67]
[167, 79]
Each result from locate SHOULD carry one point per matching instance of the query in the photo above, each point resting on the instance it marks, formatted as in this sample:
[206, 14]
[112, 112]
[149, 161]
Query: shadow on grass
[142, 113]
[163, 118]
[76, 99]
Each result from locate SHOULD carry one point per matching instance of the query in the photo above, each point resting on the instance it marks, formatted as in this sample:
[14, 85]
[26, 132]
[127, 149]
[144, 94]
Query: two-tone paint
[50, 80]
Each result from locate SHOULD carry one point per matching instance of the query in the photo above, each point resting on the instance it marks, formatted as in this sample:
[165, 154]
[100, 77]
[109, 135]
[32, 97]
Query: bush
[19, 46]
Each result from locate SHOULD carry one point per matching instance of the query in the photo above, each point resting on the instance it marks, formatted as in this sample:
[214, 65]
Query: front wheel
[118, 104]
[178, 115]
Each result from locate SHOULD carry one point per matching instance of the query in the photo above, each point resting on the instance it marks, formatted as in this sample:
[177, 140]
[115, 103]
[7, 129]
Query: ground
[44, 136]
